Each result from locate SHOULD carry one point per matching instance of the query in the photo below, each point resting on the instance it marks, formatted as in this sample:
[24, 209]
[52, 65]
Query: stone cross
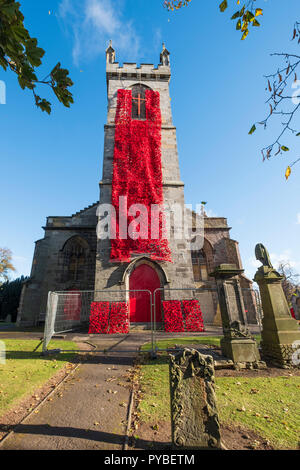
[194, 417]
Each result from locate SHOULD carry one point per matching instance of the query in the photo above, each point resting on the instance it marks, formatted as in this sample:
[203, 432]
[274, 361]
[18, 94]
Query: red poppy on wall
[172, 314]
[119, 318]
[99, 318]
[137, 175]
[192, 315]
[72, 305]
[182, 316]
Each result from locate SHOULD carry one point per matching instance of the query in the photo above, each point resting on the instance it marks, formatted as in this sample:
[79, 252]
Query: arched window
[199, 263]
[75, 256]
[139, 101]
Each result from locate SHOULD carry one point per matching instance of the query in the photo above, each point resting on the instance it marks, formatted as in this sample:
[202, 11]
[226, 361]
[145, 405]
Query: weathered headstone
[218, 318]
[280, 332]
[195, 423]
[237, 343]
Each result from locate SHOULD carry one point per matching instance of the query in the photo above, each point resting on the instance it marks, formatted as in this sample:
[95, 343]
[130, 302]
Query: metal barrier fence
[162, 295]
[70, 311]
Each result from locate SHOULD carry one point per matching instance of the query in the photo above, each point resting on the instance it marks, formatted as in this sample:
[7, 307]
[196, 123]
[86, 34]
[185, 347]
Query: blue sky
[52, 165]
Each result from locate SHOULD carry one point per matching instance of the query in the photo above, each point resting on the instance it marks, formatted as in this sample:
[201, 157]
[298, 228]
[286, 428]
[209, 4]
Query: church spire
[165, 56]
[110, 54]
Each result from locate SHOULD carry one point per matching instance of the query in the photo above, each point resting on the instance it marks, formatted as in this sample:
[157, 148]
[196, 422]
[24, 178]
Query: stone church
[71, 257]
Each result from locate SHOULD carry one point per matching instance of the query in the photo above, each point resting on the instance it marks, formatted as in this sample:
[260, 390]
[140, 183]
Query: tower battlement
[131, 70]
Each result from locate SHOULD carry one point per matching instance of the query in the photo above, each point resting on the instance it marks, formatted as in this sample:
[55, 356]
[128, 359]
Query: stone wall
[48, 269]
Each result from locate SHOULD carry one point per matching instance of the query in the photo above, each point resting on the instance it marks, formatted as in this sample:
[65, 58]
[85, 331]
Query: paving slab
[89, 411]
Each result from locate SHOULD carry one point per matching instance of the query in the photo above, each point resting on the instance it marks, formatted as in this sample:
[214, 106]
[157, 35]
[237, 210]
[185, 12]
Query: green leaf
[252, 130]
[19, 53]
[10, 9]
[249, 16]
[223, 6]
[285, 149]
[236, 15]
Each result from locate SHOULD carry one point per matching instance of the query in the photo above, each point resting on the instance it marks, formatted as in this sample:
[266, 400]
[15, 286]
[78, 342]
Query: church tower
[140, 153]
[140, 185]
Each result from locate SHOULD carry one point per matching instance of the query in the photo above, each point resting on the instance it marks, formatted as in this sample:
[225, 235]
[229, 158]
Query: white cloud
[284, 257]
[252, 264]
[298, 218]
[92, 23]
[210, 213]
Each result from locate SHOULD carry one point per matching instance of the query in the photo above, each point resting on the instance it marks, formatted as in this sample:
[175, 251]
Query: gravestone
[194, 417]
[280, 332]
[237, 343]
[218, 318]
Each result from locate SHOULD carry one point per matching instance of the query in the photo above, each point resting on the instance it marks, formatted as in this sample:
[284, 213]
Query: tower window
[139, 102]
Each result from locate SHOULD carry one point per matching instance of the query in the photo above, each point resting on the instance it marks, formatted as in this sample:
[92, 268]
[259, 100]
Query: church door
[143, 278]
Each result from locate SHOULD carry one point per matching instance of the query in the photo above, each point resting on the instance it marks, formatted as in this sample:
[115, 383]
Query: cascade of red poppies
[99, 318]
[173, 319]
[137, 176]
[185, 315]
[109, 318]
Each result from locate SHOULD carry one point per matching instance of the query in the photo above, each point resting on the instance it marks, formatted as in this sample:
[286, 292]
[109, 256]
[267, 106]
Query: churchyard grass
[25, 369]
[186, 341]
[267, 405]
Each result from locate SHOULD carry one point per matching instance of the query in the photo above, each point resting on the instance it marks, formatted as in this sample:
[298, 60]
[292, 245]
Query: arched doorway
[143, 277]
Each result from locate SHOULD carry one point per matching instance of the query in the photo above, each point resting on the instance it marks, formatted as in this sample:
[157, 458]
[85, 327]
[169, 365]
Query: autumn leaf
[288, 172]
[223, 6]
[252, 130]
[269, 86]
[245, 34]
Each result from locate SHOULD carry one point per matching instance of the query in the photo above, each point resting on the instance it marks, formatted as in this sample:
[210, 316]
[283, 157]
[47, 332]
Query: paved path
[210, 330]
[85, 413]
[68, 420]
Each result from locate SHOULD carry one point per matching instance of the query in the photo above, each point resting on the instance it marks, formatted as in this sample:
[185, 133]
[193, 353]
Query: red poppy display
[173, 316]
[137, 175]
[180, 316]
[109, 318]
[99, 318]
[72, 305]
[192, 315]
[119, 318]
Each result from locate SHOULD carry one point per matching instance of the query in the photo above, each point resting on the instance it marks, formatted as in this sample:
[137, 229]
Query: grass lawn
[25, 369]
[184, 341]
[187, 340]
[269, 406]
